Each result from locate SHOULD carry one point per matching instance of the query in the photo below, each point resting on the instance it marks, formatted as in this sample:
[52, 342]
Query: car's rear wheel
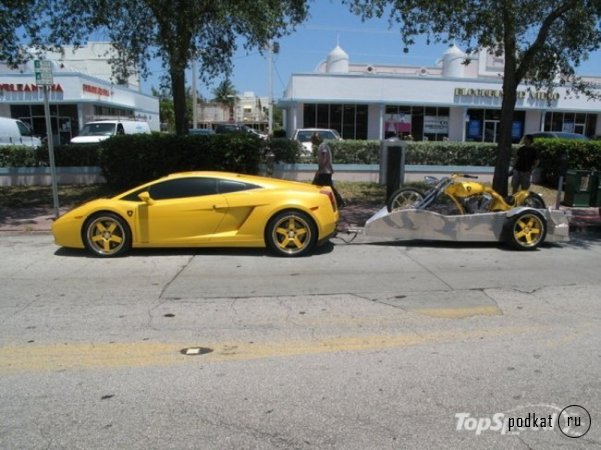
[291, 233]
[526, 230]
[106, 234]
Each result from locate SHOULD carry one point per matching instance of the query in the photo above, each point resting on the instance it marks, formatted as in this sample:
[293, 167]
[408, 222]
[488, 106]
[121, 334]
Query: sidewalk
[354, 215]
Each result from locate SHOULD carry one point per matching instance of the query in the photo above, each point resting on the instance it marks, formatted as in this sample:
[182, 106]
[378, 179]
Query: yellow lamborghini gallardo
[204, 209]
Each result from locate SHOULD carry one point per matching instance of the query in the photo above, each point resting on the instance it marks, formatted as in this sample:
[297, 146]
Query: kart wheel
[106, 234]
[291, 233]
[526, 230]
[534, 201]
[404, 198]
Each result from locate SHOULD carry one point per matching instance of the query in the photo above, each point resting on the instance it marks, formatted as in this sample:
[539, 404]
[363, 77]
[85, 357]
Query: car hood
[88, 139]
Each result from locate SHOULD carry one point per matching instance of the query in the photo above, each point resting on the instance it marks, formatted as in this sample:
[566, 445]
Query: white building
[83, 90]
[247, 109]
[451, 101]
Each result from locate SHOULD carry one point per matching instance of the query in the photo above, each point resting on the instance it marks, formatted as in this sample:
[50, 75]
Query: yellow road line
[460, 313]
[87, 356]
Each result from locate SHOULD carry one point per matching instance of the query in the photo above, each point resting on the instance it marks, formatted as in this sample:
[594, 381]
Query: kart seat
[510, 200]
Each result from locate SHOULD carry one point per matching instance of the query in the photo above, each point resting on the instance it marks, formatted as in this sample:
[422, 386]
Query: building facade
[83, 90]
[247, 109]
[452, 100]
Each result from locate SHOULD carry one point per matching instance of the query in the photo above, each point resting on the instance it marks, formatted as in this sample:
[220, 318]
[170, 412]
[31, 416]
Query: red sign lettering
[96, 90]
[25, 87]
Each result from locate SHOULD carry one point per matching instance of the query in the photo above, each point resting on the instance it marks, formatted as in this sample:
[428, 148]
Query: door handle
[219, 206]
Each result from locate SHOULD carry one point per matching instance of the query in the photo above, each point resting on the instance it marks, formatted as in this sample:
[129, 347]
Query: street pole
[43, 77]
[270, 88]
[194, 102]
[50, 141]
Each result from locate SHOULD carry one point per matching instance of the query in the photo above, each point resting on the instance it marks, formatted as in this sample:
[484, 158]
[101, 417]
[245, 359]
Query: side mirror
[145, 197]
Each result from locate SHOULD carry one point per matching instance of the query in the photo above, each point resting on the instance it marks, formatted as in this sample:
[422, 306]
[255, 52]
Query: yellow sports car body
[204, 209]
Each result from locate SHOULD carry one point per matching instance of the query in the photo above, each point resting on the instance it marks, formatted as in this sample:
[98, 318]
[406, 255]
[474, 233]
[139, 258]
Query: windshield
[98, 129]
[24, 129]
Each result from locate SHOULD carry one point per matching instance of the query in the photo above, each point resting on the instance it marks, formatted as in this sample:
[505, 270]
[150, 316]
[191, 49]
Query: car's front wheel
[291, 233]
[106, 234]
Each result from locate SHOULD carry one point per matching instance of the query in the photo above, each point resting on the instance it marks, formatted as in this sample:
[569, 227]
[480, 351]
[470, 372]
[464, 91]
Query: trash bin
[392, 164]
[578, 188]
[596, 189]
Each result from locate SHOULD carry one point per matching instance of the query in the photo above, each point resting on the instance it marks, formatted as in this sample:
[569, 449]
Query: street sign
[43, 71]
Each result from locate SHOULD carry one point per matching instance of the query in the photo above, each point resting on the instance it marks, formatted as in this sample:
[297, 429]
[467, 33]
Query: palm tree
[226, 94]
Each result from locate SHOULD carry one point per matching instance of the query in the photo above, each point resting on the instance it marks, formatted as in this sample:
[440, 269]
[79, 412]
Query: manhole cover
[194, 351]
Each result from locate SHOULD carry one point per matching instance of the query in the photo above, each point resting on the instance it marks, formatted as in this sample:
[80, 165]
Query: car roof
[264, 182]
[201, 131]
[558, 134]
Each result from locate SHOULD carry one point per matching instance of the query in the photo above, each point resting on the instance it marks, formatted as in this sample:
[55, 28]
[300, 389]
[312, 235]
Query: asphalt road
[365, 345]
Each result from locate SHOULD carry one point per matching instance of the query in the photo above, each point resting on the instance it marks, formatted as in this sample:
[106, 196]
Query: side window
[184, 187]
[120, 129]
[227, 186]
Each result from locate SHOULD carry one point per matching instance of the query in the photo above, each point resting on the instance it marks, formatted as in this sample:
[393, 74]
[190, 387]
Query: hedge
[579, 154]
[133, 159]
[126, 160]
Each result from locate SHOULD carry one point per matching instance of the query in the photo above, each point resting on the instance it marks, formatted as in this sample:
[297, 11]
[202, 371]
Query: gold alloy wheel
[528, 230]
[106, 235]
[292, 234]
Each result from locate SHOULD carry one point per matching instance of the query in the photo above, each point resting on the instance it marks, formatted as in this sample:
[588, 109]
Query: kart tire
[526, 230]
[404, 198]
[534, 201]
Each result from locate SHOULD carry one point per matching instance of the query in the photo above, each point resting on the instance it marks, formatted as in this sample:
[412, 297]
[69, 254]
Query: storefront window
[349, 120]
[581, 123]
[110, 112]
[416, 122]
[323, 116]
[63, 119]
[483, 125]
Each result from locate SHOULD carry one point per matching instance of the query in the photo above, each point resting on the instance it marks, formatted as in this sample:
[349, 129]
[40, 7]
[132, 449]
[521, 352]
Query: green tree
[174, 31]
[226, 94]
[19, 25]
[543, 43]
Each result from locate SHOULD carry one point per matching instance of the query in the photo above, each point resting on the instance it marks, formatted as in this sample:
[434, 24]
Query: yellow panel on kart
[465, 188]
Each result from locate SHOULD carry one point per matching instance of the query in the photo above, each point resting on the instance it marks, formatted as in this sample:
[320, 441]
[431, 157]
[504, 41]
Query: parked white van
[15, 132]
[103, 129]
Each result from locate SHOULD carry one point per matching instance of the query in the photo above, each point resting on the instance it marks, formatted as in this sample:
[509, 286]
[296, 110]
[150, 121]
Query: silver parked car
[303, 135]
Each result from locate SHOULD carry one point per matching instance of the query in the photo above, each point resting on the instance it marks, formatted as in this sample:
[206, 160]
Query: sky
[331, 23]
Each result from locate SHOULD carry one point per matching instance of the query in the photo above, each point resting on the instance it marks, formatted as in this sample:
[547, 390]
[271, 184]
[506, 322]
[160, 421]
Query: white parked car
[100, 130]
[303, 135]
[15, 132]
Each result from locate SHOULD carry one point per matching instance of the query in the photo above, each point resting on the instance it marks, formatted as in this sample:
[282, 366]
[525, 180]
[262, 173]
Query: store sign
[25, 87]
[95, 90]
[436, 125]
[520, 95]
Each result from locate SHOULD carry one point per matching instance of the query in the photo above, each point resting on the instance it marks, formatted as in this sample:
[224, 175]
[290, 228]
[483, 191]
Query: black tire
[291, 233]
[404, 198]
[526, 230]
[534, 201]
[106, 235]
